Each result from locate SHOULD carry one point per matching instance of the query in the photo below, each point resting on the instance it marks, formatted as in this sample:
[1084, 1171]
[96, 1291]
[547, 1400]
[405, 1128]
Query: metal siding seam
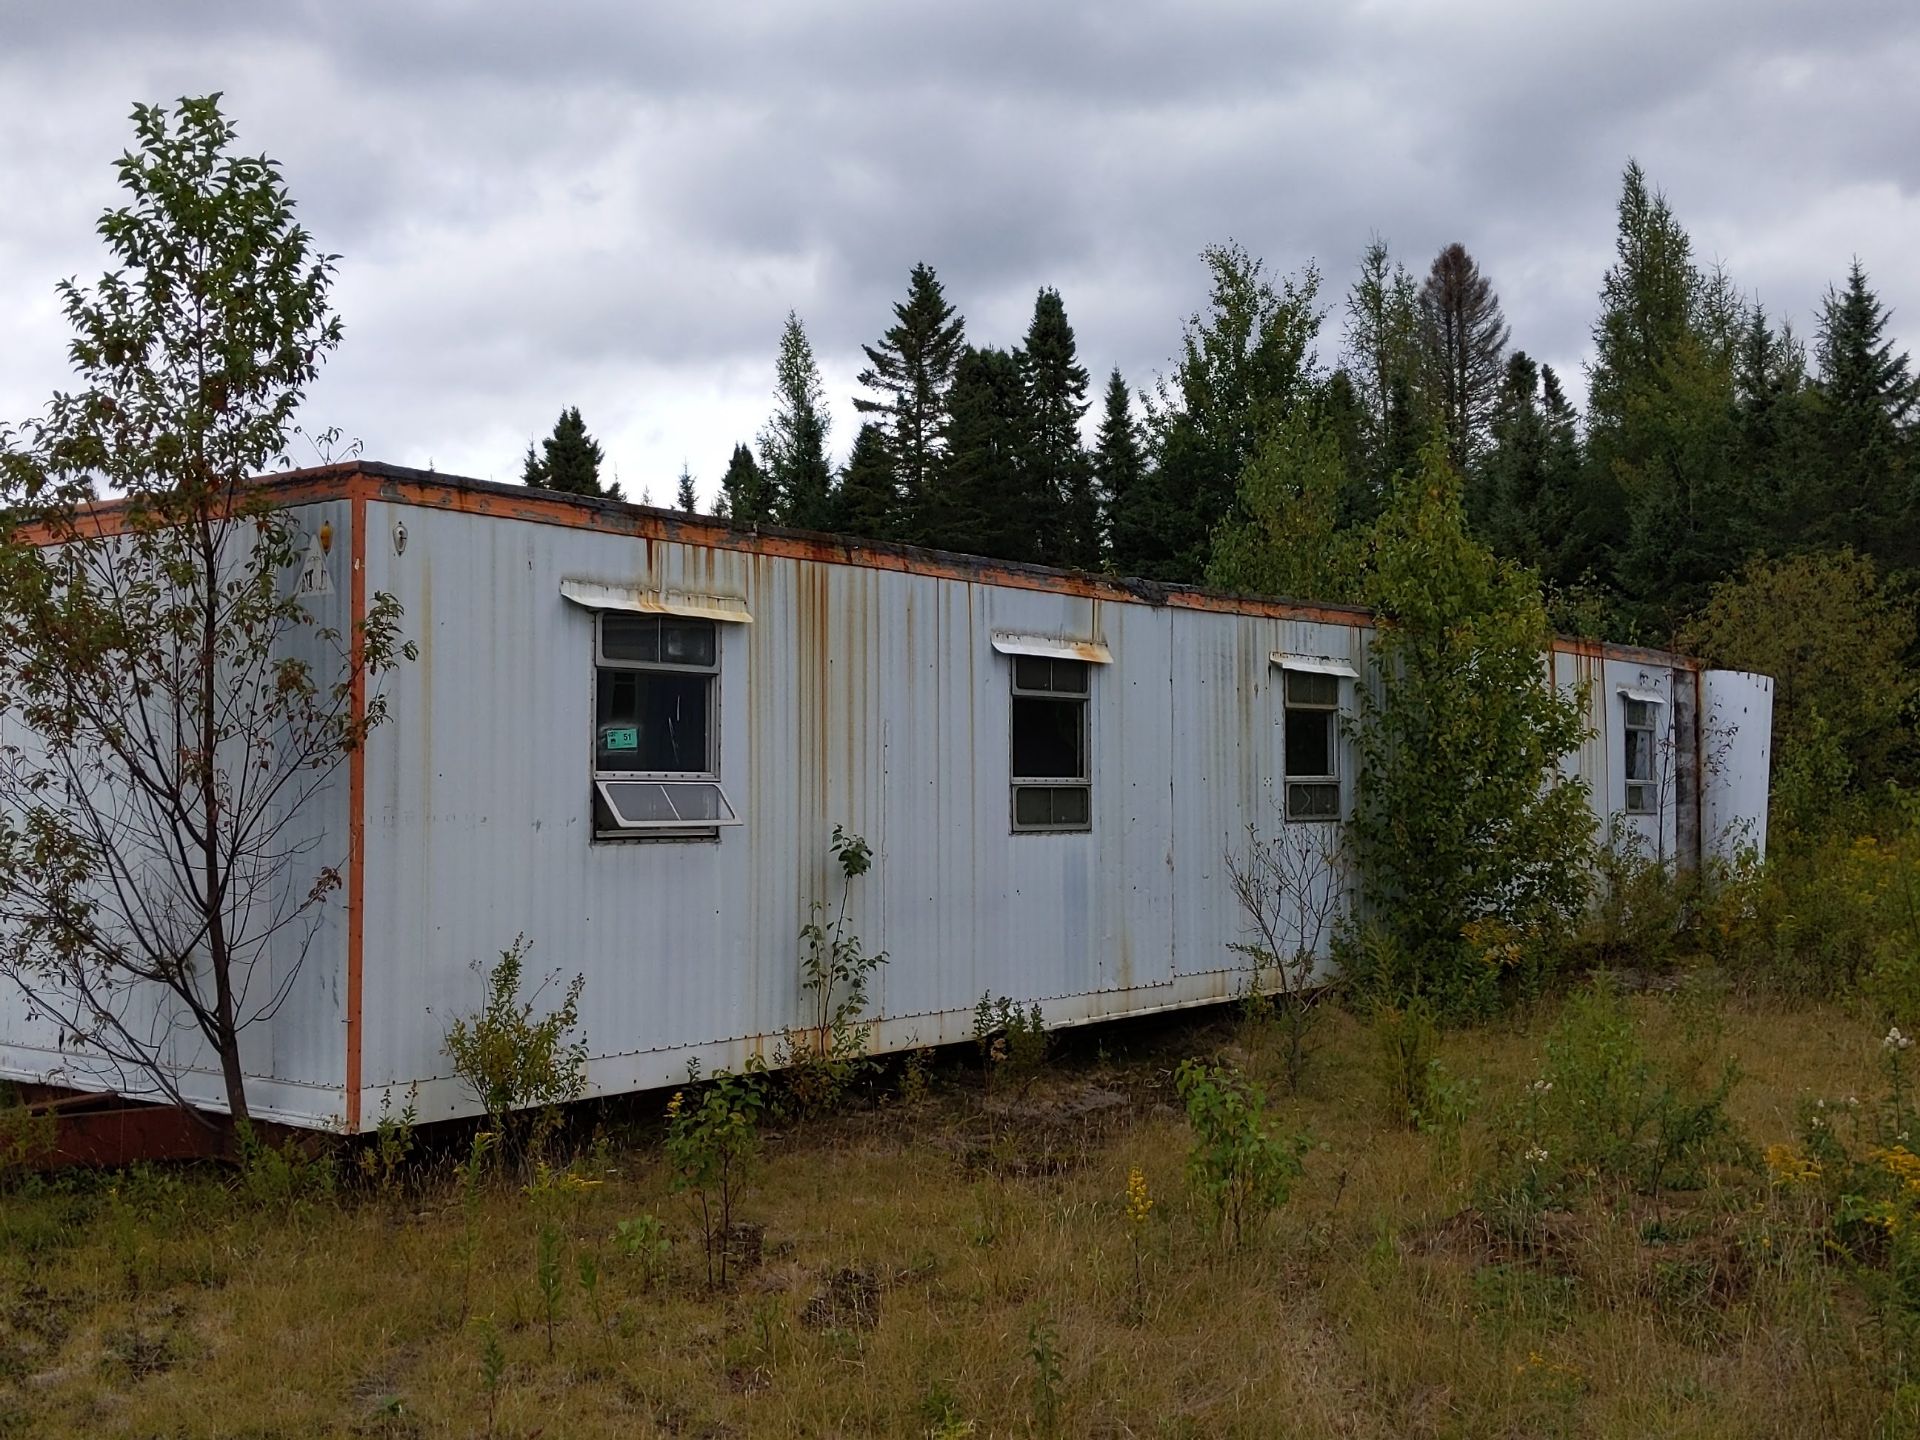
[356, 804]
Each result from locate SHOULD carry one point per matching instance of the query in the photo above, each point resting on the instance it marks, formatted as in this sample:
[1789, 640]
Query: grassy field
[963, 1264]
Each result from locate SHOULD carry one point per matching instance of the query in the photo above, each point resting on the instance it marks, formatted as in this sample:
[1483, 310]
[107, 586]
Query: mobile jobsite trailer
[629, 734]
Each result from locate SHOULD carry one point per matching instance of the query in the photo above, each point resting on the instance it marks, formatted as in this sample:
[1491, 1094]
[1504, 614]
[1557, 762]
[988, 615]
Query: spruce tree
[1384, 369]
[569, 460]
[985, 502]
[1663, 502]
[1465, 341]
[1120, 471]
[793, 448]
[909, 373]
[1521, 497]
[867, 499]
[746, 494]
[1864, 422]
[1774, 442]
[1058, 474]
[686, 500]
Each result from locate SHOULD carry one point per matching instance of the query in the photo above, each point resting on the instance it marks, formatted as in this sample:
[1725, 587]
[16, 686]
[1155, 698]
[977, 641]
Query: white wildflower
[1536, 1155]
[1896, 1041]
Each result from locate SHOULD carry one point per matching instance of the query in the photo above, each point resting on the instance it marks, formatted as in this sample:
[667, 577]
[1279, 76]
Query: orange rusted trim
[356, 805]
[107, 518]
[833, 550]
[401, 486]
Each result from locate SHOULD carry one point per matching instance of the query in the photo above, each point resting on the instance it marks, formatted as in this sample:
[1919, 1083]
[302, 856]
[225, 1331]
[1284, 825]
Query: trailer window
[1052, 787]
[1642, 788]
[1312, 751]
[655, 745]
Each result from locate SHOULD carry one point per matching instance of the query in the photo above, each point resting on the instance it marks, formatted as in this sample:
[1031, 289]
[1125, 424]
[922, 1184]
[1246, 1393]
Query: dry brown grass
[1374, 1305]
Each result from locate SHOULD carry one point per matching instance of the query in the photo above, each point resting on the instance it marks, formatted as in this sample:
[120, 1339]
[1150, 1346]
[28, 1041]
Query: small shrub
[493, 1371]
[26, 1137]
[1292, 888]
[1240, 1171]
[822, 1059]
[546, 1273]
[916, 1075]
[471, 1172]
[1013, 1042]
[283, 1177]
[1641, 909]
[383, 1159]
[520, 1067]
[1043, 1350]
[645, 1244]
[1405, 1040]
[713, 1139]
[1603, 1111]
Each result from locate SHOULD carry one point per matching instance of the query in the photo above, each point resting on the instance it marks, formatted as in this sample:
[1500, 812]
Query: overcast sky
[614, 205]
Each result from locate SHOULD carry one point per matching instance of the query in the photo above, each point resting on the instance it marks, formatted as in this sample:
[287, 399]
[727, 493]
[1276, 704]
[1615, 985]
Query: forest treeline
[1712, 433]
[1729, 483]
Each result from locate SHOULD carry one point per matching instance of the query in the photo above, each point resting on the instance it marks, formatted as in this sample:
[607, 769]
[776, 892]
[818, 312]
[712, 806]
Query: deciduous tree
[181, 681]
[1243, 363]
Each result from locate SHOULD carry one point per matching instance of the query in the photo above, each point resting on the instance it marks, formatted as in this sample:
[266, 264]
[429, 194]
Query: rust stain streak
[356, 809]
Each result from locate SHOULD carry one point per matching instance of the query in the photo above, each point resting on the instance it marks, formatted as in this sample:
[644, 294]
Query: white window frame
[1084, 699]
[1643, 789]
[1340, 673]
[668, 781]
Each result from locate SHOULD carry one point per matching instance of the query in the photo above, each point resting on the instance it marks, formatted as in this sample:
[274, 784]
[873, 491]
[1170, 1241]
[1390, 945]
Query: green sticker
[625, 738]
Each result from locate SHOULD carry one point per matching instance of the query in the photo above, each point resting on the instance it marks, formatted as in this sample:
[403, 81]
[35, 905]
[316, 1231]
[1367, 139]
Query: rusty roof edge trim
[390, 483]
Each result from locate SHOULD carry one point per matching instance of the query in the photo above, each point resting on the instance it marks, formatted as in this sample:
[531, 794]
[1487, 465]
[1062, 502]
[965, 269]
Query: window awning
[1052, 647]
[1651, 697]
[1315, 664]
[666, 804]
[593, 595]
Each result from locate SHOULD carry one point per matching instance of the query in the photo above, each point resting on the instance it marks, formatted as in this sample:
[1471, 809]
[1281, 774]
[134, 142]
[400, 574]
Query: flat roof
[429, 489]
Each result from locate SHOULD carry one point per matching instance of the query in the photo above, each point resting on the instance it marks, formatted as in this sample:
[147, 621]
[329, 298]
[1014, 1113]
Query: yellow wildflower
[1139, 1199]
[1789, 1168]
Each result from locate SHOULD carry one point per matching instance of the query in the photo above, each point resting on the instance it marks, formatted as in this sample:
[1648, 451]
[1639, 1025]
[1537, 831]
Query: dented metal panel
[1736, 759]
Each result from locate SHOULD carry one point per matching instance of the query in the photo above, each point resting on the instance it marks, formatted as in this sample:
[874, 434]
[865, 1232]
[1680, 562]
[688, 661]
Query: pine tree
[570, 460]
[1465, 341]
[793, 448]
[1059, 473]
[866, 501]
[1243, 365]
[1120, 471]
[909, 373]
[686, 499]
[746, 494]
[1864, 423]
[985, 502]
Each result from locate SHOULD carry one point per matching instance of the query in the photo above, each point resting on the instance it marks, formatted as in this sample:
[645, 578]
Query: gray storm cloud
[614, 206]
